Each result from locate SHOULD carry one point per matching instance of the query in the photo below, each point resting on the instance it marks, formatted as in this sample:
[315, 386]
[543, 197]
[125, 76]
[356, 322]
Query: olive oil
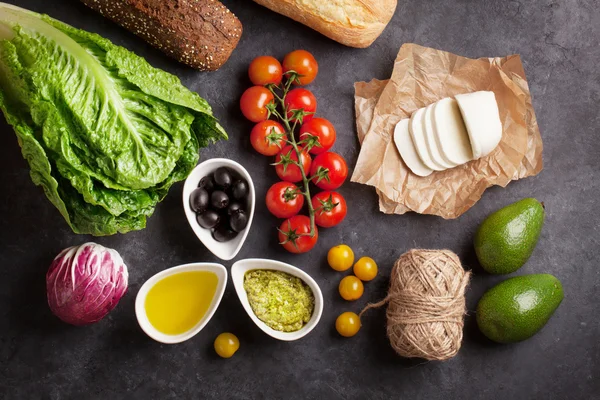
[176, 303]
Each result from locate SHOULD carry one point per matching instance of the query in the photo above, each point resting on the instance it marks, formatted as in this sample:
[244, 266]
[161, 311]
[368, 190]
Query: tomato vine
[291, 119]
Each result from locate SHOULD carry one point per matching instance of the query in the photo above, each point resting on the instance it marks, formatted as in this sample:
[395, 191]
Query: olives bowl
[223, 250]
[238, 271]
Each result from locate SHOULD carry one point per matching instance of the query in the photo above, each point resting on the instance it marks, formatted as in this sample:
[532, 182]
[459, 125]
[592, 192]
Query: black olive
[207, 183]
[224, 217]
[219, 200]
[223, 233]
[239, 190]
[238, 221]
[208, 219]
[234, 207]
[199, 200]
[223, 177]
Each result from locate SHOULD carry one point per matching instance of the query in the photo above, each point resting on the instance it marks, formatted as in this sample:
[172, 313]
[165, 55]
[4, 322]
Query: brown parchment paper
[423, 76]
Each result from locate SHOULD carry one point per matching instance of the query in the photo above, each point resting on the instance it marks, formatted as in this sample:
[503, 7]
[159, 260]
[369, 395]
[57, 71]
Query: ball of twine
[426, 304]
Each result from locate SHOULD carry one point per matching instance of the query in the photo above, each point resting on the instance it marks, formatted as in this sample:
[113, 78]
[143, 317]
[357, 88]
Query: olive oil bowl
[175, 304]
[224, 250]
[238, 273]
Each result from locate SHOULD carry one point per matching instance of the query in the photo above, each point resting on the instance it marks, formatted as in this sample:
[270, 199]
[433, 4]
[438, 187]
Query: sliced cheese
[417, 133]
[450, 132]
[407, 149]
[482, 120]
[432, 145]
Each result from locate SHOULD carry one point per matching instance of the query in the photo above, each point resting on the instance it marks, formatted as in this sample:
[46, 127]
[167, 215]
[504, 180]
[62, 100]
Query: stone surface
[42, 358]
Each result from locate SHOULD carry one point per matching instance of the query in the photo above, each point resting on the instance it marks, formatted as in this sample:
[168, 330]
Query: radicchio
[84, 283]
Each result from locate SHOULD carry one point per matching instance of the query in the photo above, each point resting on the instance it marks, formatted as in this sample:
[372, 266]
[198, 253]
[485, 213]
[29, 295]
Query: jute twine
[426, 304]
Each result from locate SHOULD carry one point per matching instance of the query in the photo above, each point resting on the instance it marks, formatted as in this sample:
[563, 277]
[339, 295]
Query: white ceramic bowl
[223, 250]
[239, 269]
[140, 300]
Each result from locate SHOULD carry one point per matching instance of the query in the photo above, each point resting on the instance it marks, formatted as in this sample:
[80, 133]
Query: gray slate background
[42, 358]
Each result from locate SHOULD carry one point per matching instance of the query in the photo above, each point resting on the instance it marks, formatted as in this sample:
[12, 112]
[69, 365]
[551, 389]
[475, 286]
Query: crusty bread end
[354, 23]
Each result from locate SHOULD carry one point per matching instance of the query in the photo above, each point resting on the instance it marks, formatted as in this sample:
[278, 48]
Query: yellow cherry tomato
[340, 257]
[226, 344]
[351, 288]
[365, 269]
[347, 324]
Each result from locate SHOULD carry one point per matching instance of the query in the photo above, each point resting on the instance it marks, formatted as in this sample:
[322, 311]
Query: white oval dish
[140, 300]
[223, 250]
[239, 269]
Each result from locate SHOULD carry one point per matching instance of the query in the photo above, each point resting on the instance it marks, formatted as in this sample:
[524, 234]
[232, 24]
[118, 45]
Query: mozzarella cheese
[482, 120]
[450, 132]
[432, 145]
[417, 133]
[408, 152]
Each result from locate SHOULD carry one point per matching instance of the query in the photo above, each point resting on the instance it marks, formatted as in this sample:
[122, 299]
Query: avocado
[519, 307]
[506, 239]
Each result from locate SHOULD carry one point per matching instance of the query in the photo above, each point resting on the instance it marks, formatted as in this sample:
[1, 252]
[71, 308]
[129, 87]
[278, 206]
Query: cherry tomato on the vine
[285, 167]
[264, 70]
[254, 103]
[300, 99]
[294, 234]
[329, 170]
[320, 133]
[303, 63]
[284, 200]
[268, 137]
[330, 209]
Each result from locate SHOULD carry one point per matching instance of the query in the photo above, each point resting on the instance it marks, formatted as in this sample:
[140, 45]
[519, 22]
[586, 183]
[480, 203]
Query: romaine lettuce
[104, 133]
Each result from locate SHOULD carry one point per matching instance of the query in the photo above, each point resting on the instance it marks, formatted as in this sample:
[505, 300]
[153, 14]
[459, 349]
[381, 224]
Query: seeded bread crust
[199, 33]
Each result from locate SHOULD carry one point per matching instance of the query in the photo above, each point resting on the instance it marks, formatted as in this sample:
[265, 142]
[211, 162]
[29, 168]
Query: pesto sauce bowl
[238, 271]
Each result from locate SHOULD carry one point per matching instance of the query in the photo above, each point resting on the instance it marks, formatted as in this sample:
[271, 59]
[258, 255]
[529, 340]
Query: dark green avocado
[519, 307]
[505, 240]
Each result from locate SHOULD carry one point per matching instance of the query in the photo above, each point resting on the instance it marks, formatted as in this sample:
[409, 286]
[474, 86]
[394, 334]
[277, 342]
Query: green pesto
[280, 300]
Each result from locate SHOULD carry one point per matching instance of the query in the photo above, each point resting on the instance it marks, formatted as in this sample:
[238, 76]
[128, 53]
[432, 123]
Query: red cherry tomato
[330, 209]
[268, 137]
[286, 169]
[301, 99]
[264, 70]
[320, 132]
[284, 200]
[254, 101]
[329, 171]
[303, 63]
[294, 234]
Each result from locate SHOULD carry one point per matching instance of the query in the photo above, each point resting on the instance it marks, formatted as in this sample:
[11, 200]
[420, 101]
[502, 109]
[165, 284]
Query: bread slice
[198, 33]
[354, 23]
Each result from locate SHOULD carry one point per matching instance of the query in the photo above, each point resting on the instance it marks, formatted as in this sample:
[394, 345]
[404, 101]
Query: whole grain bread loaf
[199, 33]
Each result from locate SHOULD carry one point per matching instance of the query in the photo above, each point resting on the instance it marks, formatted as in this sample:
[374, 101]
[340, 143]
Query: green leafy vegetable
[105, 134]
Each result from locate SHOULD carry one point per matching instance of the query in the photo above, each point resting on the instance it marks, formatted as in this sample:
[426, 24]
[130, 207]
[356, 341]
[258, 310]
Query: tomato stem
[290, 127]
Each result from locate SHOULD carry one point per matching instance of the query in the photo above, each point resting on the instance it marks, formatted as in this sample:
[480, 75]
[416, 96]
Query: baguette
[198, 33]
[354, 23]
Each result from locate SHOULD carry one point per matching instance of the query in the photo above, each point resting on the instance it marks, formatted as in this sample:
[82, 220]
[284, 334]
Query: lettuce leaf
[105, 134]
